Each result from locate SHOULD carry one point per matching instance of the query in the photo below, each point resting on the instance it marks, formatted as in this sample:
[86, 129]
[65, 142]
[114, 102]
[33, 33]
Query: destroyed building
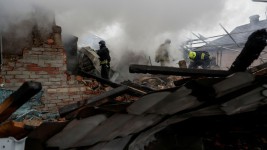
[203, 109]
[227, 47]
[40, 56]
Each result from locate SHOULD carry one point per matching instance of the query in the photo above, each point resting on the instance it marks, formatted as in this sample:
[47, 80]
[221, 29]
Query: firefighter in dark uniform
[199, 58]
[104, 58]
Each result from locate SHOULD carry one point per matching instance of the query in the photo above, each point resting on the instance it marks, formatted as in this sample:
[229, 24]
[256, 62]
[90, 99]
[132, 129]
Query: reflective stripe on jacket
[104, 62]
[202, 57]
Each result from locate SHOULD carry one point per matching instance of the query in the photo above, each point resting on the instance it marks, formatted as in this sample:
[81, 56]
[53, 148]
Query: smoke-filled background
[136, 27]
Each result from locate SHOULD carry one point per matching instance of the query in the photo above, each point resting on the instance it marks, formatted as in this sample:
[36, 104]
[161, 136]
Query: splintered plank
[177, 71]
[94, 100]
[18, 98]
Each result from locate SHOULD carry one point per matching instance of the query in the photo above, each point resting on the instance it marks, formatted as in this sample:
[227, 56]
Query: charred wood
[177, 71]
[37, 138]
[254, 46]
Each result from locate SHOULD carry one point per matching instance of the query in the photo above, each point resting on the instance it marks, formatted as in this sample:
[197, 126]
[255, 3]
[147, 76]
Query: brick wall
[45, 64]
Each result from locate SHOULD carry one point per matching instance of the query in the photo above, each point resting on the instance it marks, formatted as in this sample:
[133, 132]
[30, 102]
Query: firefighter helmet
[102, 42]
[192, 55]
[168, 41]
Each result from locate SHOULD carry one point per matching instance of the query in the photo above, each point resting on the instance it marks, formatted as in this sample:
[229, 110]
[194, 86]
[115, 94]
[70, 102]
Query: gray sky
[138, 25]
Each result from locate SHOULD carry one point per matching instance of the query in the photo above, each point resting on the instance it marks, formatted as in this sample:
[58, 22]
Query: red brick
[32, 68]
[31, 65]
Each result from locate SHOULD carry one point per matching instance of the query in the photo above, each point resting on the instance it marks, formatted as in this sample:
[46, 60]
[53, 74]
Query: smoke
[139, 25]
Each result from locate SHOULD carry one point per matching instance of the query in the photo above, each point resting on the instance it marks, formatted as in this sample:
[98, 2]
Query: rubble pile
[157, 82]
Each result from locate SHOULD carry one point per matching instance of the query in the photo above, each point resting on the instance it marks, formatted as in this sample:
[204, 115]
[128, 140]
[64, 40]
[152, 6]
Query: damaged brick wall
[45, 64]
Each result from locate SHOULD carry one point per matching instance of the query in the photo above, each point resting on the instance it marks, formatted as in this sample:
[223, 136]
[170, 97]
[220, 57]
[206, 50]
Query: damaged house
[209, 109]
[38, 55]
[228, 46]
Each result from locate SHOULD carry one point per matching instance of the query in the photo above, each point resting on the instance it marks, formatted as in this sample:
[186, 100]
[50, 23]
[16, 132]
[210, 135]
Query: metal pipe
[229, 35]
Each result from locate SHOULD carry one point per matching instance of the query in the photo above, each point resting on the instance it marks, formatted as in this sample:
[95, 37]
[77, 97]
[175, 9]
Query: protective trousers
[105, 71]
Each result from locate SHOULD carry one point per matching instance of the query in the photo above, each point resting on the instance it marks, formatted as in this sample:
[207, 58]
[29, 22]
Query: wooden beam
[177, 71]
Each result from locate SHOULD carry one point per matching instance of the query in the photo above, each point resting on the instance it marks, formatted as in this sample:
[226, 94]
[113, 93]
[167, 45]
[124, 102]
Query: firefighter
[162, 53]
[104, 58]
[199, 58]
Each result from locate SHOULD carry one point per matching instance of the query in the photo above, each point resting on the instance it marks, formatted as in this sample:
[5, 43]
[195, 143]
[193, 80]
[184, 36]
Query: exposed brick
[14, 72]
[46, 57]
[38, 49]
[33, 68]
[35, 52]
[63, 90]
[19, 80]
[55, 79]
[82, 89]
[21, 69]
[47, 46]
[7, 81]
[30, 57]
[75, 96]
[57, 65]
[41, 80]
[54, 72]
[22, 76]
[11, 64]
[63, 97]
[7, 68]
[42, 72]
[51, 83]
[26, 72]
[9, 76]
[40, 76]
[61, 104]
[72, 89]
[77, 99]
[57, 47]
[19, 64]
[31, 65]
[51, 90]
[48, 66]
[55, 101]
[50, 105]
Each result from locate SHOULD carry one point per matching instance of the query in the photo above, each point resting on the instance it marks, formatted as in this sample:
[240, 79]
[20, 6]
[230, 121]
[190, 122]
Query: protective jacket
[103, 53]
[201, 56]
